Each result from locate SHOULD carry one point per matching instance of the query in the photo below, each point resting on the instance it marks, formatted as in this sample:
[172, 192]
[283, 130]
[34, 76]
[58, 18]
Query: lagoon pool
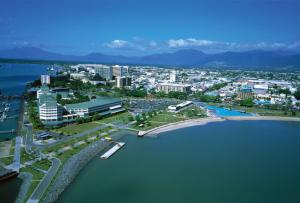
[223, 112]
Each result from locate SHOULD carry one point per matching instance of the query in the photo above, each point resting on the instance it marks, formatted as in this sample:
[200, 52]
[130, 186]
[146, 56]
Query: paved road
[28, 138]
[16, 163]
[41, 188]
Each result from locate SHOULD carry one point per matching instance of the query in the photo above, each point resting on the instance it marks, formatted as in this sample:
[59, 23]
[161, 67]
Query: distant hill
[187, 58]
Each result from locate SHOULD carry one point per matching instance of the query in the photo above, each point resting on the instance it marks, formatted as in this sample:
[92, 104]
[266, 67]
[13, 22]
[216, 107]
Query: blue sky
[141, 27]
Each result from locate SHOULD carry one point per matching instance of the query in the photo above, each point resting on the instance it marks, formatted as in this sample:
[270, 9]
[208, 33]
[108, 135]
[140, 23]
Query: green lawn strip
[67, 154]
[192, 112]
[263, 111]
[32, 187]
[51, 183]
[121, 117]
[42, 164]
[76, 128]
[160, 119]
[75, 140]
[7, 160]
[166, 117]
[36, 178]
[36, 175]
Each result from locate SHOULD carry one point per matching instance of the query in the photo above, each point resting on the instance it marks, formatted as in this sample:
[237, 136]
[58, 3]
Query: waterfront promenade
[202, 121]
[15, 166]
[41, 188]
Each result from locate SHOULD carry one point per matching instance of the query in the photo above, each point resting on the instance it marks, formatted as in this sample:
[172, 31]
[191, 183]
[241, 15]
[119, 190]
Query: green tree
[130, 118]
[247, 102]
[297, 94]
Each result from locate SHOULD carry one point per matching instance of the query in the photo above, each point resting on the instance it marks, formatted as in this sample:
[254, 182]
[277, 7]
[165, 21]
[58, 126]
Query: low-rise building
[101, 105]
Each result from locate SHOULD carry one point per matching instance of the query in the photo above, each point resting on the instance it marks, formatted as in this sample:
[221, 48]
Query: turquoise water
[13, 79]
[222, 112]
[223, 162]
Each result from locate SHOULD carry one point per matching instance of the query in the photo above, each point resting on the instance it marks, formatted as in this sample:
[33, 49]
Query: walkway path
[15, 166]
[41, 188]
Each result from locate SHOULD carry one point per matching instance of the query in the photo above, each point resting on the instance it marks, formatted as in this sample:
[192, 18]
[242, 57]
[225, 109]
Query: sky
[142, 27]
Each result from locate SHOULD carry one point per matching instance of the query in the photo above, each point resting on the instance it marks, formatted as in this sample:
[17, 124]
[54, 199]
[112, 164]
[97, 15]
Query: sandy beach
[204, 121]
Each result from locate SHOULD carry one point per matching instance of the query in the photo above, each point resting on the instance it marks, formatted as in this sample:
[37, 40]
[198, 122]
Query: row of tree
[33, 116]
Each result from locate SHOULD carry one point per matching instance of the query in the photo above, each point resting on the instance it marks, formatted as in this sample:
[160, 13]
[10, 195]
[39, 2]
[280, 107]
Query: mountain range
[257, 59]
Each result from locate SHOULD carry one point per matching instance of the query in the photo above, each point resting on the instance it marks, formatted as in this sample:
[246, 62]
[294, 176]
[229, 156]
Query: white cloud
[140, 45]
[190, 42]
[116, 44]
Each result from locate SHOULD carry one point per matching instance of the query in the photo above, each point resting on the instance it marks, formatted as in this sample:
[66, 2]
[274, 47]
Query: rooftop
[93, 102]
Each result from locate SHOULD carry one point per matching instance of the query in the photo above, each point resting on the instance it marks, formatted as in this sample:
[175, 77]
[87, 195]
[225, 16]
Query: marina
[4, 109]
[113, 150]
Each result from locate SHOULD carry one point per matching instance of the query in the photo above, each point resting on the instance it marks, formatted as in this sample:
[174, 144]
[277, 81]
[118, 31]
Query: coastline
[203, 121]
[74, 165]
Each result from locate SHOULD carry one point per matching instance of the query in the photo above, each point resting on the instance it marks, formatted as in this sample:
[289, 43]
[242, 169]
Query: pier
[10, 97]
[21, 116]
[12, 131]
[114, 149]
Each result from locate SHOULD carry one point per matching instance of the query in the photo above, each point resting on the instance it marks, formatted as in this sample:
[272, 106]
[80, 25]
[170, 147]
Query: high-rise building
[123, 81]
[125, 70]
[45, 79]
[169, 87]
[245, 92]
[173, 76]
[119, 71]
[104, 71]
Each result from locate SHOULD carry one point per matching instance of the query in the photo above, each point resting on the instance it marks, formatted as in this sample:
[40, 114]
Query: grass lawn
[26, 157]
[43, 164]
[264, 112]
[121, 118]
[159, 120]
[7, 160]
[75, 140]
[36, 175]
[32, 187]
[166, 117]
[76, 128]
[67, 154]
[192, 112]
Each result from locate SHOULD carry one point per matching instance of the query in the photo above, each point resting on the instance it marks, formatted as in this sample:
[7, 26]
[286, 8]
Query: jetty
[12, 131]
[114, 149]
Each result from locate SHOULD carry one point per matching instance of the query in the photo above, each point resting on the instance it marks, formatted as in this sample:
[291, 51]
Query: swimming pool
[223, 112]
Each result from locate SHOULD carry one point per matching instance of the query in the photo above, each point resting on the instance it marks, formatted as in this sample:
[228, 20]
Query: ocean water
[222, 162]
[13, 79]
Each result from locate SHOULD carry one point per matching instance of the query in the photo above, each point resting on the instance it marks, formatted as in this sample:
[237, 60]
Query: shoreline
[74, 165]
[203, 121]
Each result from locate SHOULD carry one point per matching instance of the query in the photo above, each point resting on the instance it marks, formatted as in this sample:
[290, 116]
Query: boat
[8, 176]
[242, 111]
